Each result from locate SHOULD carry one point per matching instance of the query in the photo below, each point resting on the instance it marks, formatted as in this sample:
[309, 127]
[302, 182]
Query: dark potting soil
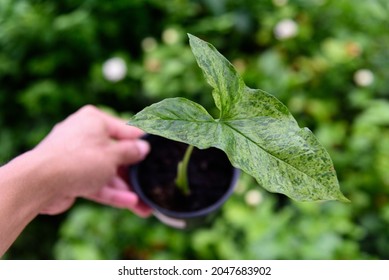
[209, 175]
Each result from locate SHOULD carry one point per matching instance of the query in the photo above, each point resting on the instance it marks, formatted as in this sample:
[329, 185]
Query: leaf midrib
[224, 122]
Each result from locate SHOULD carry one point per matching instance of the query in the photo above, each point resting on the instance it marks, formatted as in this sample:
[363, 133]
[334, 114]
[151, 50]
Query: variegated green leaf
[254, 129]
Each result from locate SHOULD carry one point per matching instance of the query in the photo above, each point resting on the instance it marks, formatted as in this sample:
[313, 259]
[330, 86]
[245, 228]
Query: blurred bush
[325, 59]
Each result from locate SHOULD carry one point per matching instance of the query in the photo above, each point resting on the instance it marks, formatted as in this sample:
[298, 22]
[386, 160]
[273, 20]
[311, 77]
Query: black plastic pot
[211, 177]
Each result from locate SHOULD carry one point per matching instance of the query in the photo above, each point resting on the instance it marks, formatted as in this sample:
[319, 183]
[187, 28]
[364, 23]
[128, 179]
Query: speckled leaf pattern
[254, 129]
[178, 119]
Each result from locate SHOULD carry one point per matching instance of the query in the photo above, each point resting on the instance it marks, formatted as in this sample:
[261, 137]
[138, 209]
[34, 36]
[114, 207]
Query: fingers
[118, 129]
[128, 147]
[130, 152]
[117, 194]
[120, 199]
[142, 210]
[116, 198]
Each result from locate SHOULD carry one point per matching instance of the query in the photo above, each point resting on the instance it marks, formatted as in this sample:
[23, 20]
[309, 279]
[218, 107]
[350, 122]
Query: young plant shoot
[255, 130]
[182, 172]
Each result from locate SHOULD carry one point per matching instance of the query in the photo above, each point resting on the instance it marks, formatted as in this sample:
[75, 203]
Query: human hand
[87, 155]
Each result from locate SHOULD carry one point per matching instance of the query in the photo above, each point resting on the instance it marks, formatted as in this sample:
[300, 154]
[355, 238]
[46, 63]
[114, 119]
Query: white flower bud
[170, 36]
[364, 77]
[285, 29]
[253, 197]
[114, 69]
[149, 44]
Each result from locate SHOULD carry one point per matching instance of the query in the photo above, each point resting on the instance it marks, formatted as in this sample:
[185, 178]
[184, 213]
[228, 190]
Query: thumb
[131, 151]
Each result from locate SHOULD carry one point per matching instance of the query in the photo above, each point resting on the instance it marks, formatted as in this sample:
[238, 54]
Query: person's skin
[83, 156]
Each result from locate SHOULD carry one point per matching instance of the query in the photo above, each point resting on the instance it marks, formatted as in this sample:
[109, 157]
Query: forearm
[80, 157]
[21, 195]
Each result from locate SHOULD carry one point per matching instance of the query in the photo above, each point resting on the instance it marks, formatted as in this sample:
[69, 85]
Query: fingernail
[143, 147]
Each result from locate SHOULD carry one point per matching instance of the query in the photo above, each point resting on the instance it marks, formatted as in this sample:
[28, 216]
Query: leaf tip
[191, 37]
[193, 40]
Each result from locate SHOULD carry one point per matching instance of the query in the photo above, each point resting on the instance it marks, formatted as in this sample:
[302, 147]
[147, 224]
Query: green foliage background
[51, 58]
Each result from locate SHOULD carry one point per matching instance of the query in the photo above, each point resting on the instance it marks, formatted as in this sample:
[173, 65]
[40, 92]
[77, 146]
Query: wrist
[28, 182]
[23, 194]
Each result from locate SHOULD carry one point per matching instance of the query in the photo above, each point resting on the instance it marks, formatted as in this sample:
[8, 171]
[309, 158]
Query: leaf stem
[182, 172]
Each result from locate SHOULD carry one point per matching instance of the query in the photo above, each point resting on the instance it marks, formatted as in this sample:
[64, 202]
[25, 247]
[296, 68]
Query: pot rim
[133, 172]
[183, 215]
